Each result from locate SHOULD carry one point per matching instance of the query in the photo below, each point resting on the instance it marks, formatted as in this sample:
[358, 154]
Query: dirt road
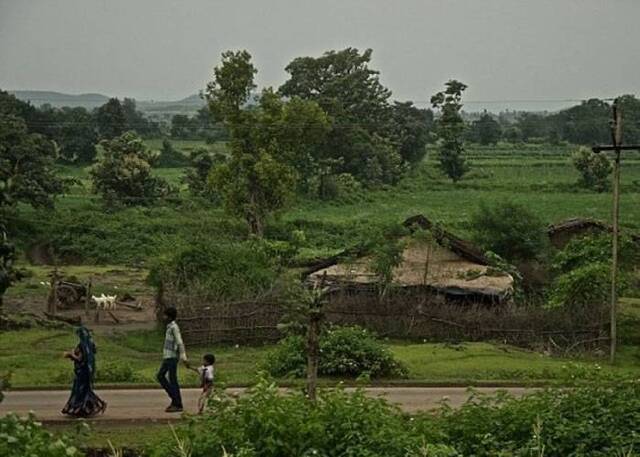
[149, 404]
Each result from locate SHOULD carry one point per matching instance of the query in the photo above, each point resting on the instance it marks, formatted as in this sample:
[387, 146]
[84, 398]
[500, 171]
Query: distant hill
[187, 105]
[57, 99]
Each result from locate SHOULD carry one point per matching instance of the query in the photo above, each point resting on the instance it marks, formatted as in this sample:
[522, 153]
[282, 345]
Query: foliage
[583, 287]
[386, 255]
[257, 180]
[450, 130]
[197, 175]
[368, 138]
[123, 172]
[594, 168]
[509, 229]
[170, 157]
[115, 372]
[9, 274]
[26, 166]
[4, 384]
[485, 130]
[267, 424]
[595, 421]
[111, 120]
[73, 131]
[344, 351]
[220, 270]
[596, 248]
[26, 437]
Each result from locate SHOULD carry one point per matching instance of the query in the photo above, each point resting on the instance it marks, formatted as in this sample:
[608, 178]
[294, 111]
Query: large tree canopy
[369, 138]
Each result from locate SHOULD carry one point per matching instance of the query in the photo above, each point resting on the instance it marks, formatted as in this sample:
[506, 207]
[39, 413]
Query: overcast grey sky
[166, 49]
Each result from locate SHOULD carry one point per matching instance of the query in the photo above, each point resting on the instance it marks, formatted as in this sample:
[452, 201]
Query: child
[206, 379]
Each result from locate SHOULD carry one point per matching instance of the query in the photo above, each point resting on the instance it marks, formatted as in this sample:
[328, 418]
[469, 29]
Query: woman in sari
[83, 401]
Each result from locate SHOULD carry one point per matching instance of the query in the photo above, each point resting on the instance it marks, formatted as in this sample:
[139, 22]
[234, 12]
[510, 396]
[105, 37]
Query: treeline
[583, 124]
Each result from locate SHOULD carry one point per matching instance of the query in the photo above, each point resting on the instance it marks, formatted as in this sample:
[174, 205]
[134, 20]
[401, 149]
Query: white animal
[105, 302]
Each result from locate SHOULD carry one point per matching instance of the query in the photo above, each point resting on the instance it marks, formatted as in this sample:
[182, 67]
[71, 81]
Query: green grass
[131, 436]
[35, 359]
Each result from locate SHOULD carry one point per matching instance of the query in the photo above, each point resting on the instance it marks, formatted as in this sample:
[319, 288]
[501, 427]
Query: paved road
[149, 404]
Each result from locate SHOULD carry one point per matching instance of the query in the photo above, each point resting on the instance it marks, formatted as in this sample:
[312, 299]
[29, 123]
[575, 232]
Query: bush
[267, 424]
[344, 351]
[170, 157]
[223, 271]
[594, 168]
[115, 372]
[510, 230]
[26, 437]
[594, 421]
[584, 287]
[587, 250]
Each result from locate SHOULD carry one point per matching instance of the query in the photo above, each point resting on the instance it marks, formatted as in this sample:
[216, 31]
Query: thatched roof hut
[442, 263]
[561, 233]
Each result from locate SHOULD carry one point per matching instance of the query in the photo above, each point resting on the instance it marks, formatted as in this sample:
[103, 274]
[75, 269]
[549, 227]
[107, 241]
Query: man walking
[173, 350]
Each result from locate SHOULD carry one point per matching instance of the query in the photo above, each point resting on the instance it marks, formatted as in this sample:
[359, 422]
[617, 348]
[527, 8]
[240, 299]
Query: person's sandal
[173, 409]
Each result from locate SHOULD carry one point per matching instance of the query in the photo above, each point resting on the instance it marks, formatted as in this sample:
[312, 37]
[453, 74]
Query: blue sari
[83, 402]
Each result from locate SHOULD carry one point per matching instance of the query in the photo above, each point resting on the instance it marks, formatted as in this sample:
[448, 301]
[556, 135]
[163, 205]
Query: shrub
[584, 287]
[223, 271]
[510, 230]
[344, 351]
[587, 250]
[197, 175]
[115, 372]
[267, 424]
[26, 437]
[170, 157]
[594, 168]
[123, 173]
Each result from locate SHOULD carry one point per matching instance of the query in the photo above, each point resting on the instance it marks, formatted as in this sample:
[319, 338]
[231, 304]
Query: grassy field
[40, 363]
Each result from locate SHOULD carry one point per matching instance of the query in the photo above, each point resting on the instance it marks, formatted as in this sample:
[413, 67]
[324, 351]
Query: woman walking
[83, 401]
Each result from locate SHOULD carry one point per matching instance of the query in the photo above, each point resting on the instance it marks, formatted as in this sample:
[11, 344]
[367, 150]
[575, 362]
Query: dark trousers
[171, 386]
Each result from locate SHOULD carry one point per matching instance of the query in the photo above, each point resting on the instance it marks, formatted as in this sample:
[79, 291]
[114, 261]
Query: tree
[123, 172]
[9, 275]
[170, 157]
[111, 120]
[74, 132]
[258, 179]
[594, 168]
[450, 129]
[486, 130]
[361, 141]
[27, 160]
[411, 130]
[136, 121]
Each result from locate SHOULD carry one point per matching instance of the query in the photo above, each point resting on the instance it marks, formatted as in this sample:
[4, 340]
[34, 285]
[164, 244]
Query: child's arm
[189, 367]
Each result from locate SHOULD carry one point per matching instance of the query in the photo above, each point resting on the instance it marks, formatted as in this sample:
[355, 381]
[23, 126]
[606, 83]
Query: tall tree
[111, 120]
[411, 129]
[265, 140]
[361, 140]
[450, 129]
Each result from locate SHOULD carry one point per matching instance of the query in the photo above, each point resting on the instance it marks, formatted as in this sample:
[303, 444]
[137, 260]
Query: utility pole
[617, 147]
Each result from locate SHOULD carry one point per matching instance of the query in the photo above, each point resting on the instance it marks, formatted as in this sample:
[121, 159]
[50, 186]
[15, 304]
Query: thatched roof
[561, 233]
[445, 263]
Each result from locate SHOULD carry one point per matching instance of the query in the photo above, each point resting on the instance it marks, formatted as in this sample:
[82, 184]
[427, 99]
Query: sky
[535, 53]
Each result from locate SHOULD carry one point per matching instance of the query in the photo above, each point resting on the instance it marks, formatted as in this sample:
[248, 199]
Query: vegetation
[450, 130]
[344, 352]
[594, 168]
[26, 437]
[123, 173]
[511, 230]
[594, 421]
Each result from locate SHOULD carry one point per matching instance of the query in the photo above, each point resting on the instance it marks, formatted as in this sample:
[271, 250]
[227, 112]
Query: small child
[206, 379]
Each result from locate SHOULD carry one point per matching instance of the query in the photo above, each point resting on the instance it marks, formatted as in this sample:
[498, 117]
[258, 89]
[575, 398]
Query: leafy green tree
[450, 129]
[412, 128]
[594, 168]
[532, 125]
[361, 141]
[123, 172]
[111, 120]
[136, 121]
[74, 132]
[486, 130]
[265, 139]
